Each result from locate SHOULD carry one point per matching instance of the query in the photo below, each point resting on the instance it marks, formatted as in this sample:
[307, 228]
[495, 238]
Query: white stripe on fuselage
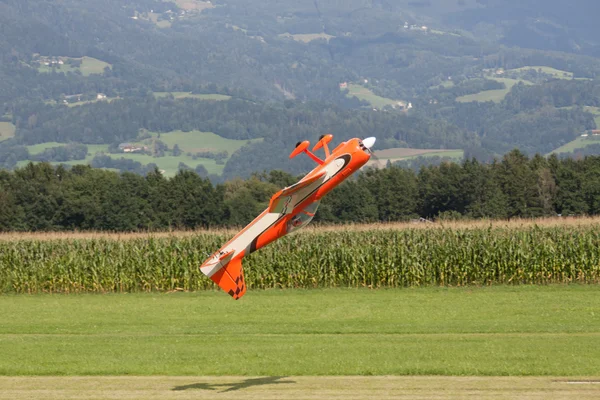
[258, 226]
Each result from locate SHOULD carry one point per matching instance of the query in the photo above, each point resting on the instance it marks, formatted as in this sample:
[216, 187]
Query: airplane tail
[230, 278]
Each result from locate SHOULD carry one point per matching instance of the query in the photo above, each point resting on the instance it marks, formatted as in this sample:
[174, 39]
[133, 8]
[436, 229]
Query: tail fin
[230, 278]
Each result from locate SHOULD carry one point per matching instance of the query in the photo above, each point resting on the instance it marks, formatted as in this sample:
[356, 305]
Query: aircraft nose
[369, 142]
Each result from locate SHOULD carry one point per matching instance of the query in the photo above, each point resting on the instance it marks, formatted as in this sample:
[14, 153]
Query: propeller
[368, 143]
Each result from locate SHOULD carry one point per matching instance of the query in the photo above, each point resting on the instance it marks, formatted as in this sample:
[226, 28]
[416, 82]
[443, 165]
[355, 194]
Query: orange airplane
[289, 209]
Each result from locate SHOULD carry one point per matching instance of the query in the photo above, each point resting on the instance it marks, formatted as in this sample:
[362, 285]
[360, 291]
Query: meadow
[363, 93]
[189, 95]
[7, 130]
[579, 143]
[496, 95]
[192, 141]
[89, 65]
[307, 37]
[402, 153]
[477, 331]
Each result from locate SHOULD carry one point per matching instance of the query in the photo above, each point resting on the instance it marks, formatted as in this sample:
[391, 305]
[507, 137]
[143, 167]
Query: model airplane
[289, 209]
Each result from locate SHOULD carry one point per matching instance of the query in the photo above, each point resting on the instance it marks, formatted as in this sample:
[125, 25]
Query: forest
[282, 63]
[40, 197]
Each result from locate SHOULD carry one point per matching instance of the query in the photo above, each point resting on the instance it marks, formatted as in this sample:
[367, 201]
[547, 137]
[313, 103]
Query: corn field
[316, 258]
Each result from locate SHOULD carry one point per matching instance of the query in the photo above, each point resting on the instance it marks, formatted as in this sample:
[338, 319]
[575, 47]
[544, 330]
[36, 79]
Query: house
[100, 96]
[584, 135]
[344, 85]
[129, 148]
[596, 132]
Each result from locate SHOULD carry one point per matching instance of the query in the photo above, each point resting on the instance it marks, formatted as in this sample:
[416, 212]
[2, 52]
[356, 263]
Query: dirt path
[298, 387]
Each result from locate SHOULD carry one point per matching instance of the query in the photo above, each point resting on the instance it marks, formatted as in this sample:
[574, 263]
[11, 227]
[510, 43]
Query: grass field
[578, 143]
[193, 141]
[492, 95]
[556, 73]
[581, 142]
[400, 153]
[186, 95]
[307, 37]
[298, 387]
[162, 23]
[7, 130]
[80, 103]
[89, 65]
[198, 5]
[362, 93]
[495, 331]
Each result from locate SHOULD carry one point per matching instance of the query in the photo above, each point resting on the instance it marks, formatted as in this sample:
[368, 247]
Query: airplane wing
[282, 201]
[225, 266]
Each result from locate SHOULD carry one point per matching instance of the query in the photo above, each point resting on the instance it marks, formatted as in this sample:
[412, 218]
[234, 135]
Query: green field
[7, 130]
[193, 141]
[89, 65]
[596, 112]
[556, 73]
[578, 143]
[80, 103]
[186, 95]
[496, 95]
[401, 154]
[362, 93]
[581, 142]
[169, 164]
[509, 331]
[307, 37]
[162, 23]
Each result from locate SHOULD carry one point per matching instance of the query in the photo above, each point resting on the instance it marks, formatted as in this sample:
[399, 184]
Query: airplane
[289, 209]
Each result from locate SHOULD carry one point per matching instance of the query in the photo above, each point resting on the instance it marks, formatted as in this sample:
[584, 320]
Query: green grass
[161, 24]
[193, 141]
[169, 164]
[581, 142]
[38, 148]
[7, 130]
[80, 103]
[362, 93]
[578, 143]
[455, 154]
[186, 95]
[525, 330]
[596, 112]
[89, 65]
[403, 154]
[307, 37]
[445, 84]
[496, 95]
[556, 73]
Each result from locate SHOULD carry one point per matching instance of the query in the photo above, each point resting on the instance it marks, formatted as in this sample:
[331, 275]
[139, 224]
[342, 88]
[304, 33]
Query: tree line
[40, 197]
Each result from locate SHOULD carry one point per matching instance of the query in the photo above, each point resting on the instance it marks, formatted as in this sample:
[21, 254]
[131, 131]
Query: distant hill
[482, 76]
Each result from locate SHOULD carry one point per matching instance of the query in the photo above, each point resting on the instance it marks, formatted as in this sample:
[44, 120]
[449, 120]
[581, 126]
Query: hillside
[100, 72]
